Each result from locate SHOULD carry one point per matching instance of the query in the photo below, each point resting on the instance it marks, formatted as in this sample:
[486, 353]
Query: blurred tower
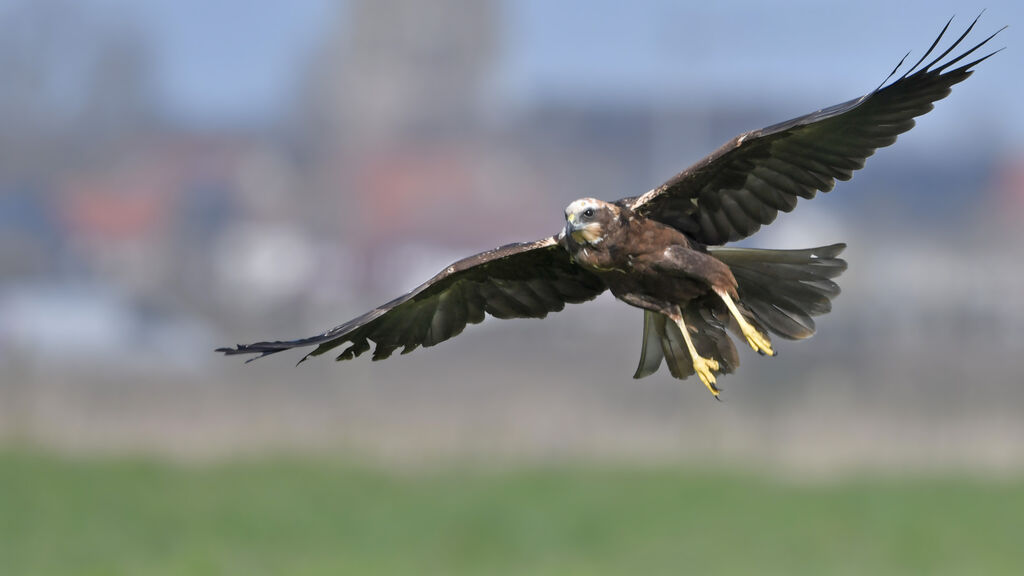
[404, 68]
[393, 126]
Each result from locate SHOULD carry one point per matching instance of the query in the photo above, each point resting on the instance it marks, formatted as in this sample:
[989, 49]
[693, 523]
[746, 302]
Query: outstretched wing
[523, 280]
[741, 186]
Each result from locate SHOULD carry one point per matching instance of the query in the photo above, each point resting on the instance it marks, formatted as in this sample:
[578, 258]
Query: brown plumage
[660, 251]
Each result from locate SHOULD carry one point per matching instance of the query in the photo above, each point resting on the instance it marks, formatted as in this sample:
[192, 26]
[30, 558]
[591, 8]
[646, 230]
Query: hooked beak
[571, 228]
[582, 232]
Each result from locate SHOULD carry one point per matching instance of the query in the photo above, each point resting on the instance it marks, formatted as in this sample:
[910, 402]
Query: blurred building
[132, 242]
[398, 69]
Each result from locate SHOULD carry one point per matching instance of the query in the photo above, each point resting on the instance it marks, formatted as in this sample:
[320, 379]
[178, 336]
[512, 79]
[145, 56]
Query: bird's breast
[600, 259]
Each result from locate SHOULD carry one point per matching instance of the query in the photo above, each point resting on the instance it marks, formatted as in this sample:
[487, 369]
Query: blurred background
[177, 176]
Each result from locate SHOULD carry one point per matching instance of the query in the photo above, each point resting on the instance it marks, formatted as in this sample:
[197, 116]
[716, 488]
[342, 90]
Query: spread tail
[779, 291]
[784, 289]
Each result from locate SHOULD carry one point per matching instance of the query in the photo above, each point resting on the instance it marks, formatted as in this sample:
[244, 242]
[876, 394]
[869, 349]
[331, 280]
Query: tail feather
[651, 353]
[785, 289]
[822, 256]
[710, 337]
[792, 296]
[674, 349]
[788, 324]
[664, 341]
[780, 291]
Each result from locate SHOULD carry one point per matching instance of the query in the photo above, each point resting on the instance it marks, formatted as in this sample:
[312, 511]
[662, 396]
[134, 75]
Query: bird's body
[644, 262]
[661, 251]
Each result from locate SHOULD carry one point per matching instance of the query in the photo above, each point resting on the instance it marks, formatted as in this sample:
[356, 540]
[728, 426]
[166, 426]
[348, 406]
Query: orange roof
[116, 206]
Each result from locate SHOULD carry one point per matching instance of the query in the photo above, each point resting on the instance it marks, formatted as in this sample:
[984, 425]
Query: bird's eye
[588, 213]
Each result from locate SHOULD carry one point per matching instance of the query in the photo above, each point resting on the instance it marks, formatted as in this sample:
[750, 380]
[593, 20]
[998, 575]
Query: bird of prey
[661, 251]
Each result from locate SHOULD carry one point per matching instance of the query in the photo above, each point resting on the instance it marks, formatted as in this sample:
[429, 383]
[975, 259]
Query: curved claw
[705, 369]
[759, 342]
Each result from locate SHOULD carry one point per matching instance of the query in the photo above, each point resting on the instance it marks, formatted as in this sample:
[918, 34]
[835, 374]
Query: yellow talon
[759, 342]
[705, 369]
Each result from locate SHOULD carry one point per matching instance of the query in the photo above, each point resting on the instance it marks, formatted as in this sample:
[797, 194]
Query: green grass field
[281, 516]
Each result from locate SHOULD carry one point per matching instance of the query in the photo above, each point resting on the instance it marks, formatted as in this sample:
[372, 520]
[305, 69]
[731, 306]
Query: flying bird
[662, 251]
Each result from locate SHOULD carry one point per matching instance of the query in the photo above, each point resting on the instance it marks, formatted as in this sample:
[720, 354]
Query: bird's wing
[741, 186]
[523, 280]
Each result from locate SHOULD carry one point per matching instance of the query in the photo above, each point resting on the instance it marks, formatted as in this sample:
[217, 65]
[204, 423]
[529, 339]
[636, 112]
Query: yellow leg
[759, 342]
[704, 367]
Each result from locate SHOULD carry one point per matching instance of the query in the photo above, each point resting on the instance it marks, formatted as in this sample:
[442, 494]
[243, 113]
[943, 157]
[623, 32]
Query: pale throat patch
[591, 234]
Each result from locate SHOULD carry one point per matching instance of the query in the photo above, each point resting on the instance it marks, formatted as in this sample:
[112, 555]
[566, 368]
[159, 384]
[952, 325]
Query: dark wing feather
[524, 280]
[741, 186]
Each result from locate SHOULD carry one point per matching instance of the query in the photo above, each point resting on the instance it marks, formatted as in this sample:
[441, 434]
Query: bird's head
[587, 220]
